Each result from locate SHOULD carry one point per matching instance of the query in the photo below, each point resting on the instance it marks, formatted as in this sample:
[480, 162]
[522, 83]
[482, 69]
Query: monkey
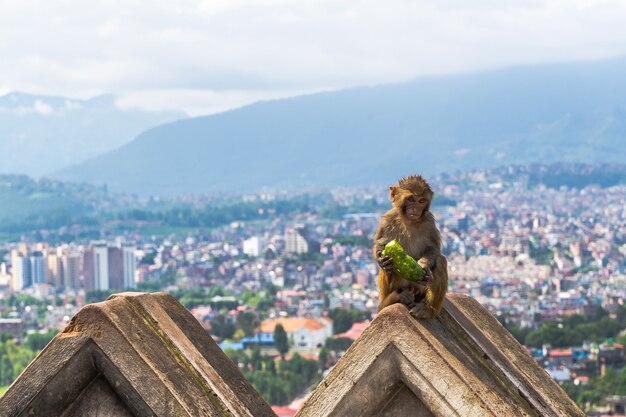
[412, 225]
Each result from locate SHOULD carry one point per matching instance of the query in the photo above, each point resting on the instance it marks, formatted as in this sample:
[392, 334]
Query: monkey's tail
[383, 285]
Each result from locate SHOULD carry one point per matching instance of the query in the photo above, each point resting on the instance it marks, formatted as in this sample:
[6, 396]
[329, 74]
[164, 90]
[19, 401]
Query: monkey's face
[413, 206]
[412, 195]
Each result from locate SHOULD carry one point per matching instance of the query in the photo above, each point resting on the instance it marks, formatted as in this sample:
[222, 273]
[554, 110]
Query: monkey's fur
[412, 224]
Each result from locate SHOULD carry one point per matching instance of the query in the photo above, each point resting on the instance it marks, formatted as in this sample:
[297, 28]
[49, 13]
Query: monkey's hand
[428, 278]
[385, 263]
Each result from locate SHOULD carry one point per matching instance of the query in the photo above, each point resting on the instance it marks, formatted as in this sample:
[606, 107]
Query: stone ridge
[463, 363]
[134, 354]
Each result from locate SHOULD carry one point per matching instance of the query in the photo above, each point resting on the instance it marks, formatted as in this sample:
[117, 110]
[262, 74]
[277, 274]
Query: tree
[323, 358]
[340, 344]
[248, 322]
[343, 319]
[280, 340]
[222, 328]
[37, 341]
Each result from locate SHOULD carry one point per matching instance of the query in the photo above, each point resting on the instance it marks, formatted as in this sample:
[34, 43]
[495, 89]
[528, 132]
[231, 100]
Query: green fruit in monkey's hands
[403, 264]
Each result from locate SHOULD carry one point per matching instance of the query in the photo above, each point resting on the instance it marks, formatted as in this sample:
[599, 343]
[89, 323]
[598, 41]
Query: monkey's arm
[381, 238]
[429, 257]
[435, 292]
[432, 247]
[438, 286]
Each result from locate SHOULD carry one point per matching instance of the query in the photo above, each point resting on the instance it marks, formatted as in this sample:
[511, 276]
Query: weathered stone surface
[463, 363]
[134, 354]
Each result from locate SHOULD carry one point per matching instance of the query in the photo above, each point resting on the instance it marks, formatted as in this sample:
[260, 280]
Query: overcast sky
[211, 55]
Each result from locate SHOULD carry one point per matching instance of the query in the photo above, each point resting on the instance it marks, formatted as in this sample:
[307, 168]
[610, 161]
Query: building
[130, 265]
[14, 327]
[96, 267]
[38, 268]
[109, 267]
[116, 268]
[54, 271]
[299, 240]
[5, 277]
[71, 270]
[252, 247]
[303, 333]
[20, 269]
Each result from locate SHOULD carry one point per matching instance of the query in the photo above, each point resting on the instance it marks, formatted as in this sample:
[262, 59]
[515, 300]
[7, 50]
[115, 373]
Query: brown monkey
[412, 224]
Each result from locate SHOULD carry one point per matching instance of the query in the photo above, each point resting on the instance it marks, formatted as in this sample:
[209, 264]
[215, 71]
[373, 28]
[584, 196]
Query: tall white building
[21, 276]
[55, 268]
[38, 268]
[71, 270]
[295, 242]
[109, 267]
[130, 265]
[252, 246]
[101, 267]
[5, 277]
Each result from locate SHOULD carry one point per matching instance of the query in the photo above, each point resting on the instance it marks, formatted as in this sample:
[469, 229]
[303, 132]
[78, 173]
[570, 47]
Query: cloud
[42, 108]
[234, 51]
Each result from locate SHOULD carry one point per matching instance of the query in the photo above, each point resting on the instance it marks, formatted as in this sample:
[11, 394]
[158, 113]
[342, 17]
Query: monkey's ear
[392, 192]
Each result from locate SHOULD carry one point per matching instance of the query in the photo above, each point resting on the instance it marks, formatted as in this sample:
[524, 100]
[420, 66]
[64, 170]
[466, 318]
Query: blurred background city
[238, 156]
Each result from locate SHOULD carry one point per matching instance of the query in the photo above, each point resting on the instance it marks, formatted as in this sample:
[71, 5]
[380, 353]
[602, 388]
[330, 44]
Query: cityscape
[218, 207]
[545, 259]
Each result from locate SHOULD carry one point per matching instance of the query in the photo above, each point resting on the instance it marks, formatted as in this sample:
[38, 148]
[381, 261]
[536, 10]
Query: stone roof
[133, 355]
[145, 355]
[463, 363]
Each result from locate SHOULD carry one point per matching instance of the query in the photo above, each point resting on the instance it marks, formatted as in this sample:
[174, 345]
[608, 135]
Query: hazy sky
[206, 56]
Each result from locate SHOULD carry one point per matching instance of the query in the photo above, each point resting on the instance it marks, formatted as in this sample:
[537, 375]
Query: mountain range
[569, 112]
[43, 134]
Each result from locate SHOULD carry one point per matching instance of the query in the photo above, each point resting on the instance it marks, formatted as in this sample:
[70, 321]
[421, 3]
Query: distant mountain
[42, 134]
[28, 204]
[571, 112]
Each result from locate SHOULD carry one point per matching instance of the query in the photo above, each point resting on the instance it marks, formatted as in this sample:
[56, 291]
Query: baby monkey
[412, 225]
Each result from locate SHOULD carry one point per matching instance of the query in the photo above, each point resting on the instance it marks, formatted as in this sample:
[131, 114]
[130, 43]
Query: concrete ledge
[464, 363]
[134, 354]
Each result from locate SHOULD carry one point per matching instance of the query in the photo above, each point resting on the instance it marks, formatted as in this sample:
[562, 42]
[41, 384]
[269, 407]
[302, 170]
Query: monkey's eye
[422, 201]
[410, 199]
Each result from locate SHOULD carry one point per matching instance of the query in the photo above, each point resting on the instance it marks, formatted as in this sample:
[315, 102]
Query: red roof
[292, 324]
[284, 411]
[559, 353]
[355, 331]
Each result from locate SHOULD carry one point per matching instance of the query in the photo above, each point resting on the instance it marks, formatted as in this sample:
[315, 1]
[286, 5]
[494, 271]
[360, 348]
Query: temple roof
[463, 363]
[134, 354]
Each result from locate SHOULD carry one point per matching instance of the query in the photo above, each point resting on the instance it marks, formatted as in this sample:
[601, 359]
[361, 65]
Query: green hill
[571, 112]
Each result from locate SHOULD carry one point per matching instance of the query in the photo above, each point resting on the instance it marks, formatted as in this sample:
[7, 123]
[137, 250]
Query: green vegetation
[343, 319]
[278, 381]
[191, 298]
[26, 204]
[222, 328]
[248, 322]
[340, 344]
[362, 241]
[572, 330]
[612, 383]
[577, 175]
[280, 340]
[260, 301]
[15, 357]
[214, 215]
[96, 296]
